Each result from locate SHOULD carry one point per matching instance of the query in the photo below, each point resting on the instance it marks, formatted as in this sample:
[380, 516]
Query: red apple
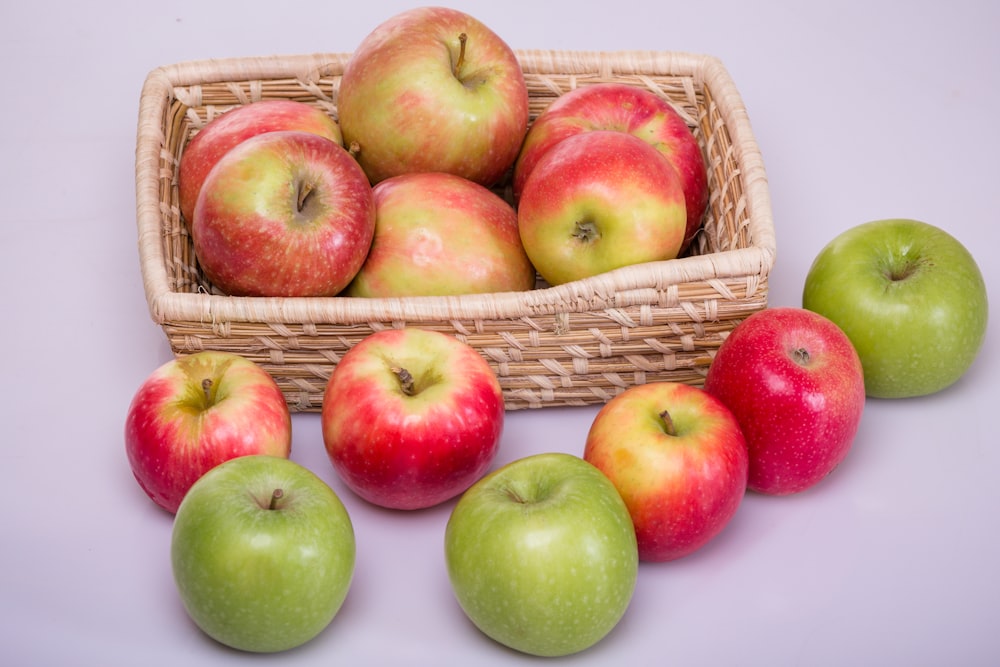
[439, 234]
[284, 214]
[434, 89]
[795, 384]
[677, 456]
[195, 412]
[623, 108]
[235, 126]
[599, 201]
[411, 418]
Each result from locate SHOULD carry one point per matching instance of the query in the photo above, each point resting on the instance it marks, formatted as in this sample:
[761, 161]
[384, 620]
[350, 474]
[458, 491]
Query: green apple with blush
[910, 297]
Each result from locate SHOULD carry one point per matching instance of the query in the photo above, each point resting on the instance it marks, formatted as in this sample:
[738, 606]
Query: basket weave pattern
[574, 344]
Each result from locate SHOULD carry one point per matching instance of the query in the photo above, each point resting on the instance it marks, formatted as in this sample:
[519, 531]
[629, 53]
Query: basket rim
[610, 289]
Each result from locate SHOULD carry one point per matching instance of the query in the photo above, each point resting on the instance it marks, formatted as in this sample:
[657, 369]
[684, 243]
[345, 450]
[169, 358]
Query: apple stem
[668, 423]
[206, 387]
[275, 497]
[462, 39]
[354, 149]
[405, 380]
[304, 193]
[801, 356]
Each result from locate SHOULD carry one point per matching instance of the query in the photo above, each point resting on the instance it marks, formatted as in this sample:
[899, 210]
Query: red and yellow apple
[411, 417]
[622, 108]
[284, 214]
[434, 89]
[438, 234]
[599, 201]
[678, 458]
[195, 412]
[237, 125]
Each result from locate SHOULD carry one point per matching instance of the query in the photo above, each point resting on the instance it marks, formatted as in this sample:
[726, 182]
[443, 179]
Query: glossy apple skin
[233, 127]
[438, 234]
[910, 297]
[175, 432]
[403, 106]
[541, 555]
[252, 235]
[623, 108]
[599, 201]
[411, 450]
[682, 480]
[258, 577]
[795, 384]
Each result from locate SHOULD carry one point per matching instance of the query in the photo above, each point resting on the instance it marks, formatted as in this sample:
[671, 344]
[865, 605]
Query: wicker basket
[575, 344]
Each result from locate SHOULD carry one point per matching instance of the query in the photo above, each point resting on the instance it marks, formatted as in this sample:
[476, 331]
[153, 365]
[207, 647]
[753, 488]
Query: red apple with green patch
[438, 234]
[434, 89]
[411, 417]
[678, 458]
[623, 108]
[233, 127]
[599, 201]
[284, 214]
[795, 383]
[194, 412]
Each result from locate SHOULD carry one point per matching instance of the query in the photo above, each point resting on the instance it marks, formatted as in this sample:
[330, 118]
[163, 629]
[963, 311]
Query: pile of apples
[543, 553]
[399, 196]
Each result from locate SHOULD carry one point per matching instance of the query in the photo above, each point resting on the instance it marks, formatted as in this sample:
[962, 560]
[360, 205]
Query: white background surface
[862, 110]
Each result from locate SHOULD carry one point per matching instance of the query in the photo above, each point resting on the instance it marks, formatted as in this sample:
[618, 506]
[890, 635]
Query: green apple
[263, 553]
[542, 555]
[909, 296]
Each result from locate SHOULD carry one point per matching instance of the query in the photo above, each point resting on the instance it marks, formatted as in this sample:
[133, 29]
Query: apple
[678, 458]
[233, 127]
[438, 234]
[262, 553]
[541, 555]
[434, 89]
[599, 201]
[623, 108]
[411, 417]
[195, 412]
[910, 297]
[794, 382]
[284, 214]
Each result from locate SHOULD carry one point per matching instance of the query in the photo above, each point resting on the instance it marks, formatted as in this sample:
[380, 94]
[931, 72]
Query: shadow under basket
[574, 344]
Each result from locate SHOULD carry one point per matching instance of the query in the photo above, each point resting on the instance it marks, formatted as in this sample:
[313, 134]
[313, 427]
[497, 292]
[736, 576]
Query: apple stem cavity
[668, 423]
[586, 231]
[462, 39]
[276, 495]
[801, 356]
[405, 380]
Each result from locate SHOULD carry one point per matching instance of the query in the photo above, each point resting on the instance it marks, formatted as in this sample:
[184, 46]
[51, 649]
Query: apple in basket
[910, 297]
[599, 201]
[678, 457]
[795, 384]
[623, 108]
[434, 89]
[439, 234]
[284, 214]
[262, 553]
[541, 555]
[194, 412]
[233, 127]
[411, 417]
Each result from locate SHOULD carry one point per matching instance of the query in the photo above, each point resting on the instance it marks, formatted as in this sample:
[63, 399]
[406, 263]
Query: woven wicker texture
[574, 344]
